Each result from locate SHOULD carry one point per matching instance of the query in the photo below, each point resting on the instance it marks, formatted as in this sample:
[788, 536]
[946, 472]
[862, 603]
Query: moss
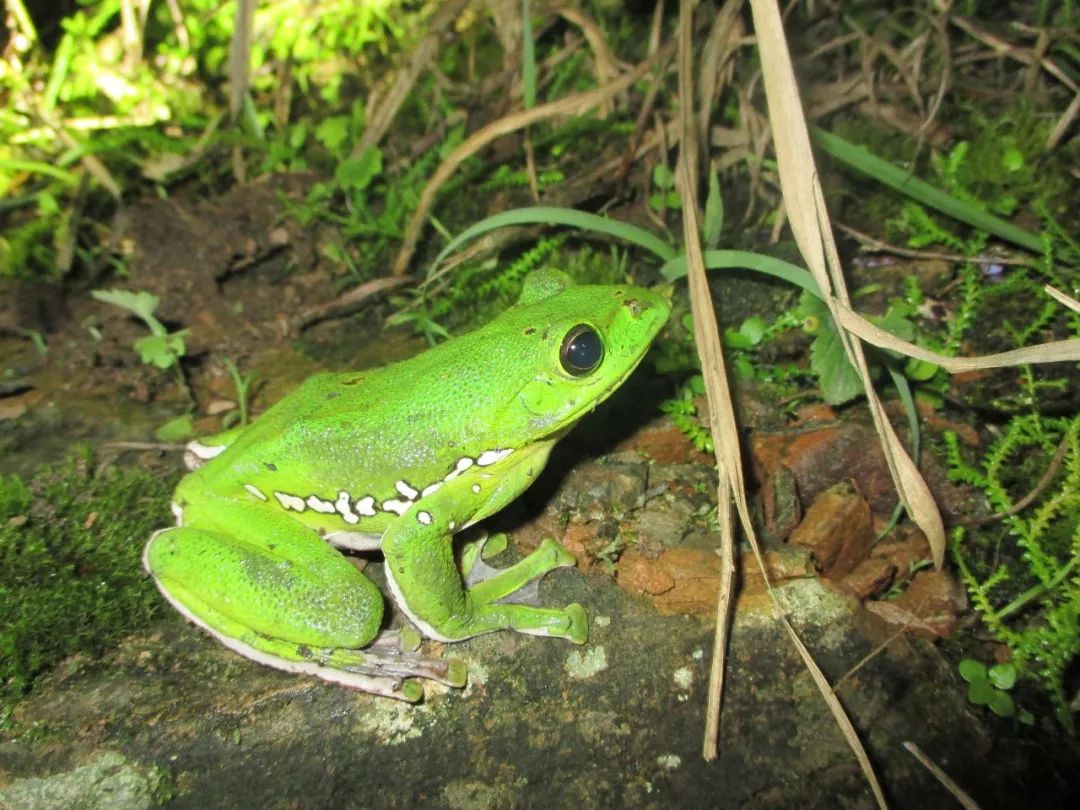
[70, 577]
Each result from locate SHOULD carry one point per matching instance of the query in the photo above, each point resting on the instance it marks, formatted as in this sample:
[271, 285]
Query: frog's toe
[579, 624]
[556, 555]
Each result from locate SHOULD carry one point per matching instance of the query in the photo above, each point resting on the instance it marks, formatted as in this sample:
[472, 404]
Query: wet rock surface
[617, 722]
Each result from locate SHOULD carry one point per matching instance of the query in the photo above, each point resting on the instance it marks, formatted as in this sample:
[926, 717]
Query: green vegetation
[990, 688]
[242, 383]
[70, 577]
[119, 101]
[1024, 581]
[161, 347]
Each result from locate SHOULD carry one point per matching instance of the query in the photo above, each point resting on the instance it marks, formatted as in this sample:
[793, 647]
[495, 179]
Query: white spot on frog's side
[365, 506]
[344, 508]
[407, 492]
[319, 505]
[452, 525]
[430, 488]
[398, 507]
[178, 513]
[476, 488]
[254, 490]
[288, 501]
[424, 518]
[461, 466]
[489, 457]
[205, 452]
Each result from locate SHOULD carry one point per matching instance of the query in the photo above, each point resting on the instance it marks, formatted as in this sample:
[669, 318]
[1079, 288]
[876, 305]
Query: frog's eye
[582, 350]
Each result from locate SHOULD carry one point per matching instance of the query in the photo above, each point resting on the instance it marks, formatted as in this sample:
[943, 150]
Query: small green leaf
[920, 370]
[1012, 160]
[176, 429]
[333, 132]
[1001, 704]
[357, 173]
[744, 368]
[840, 382]
[736, 340]
[162, 350]
[662, 177]
[754, 328]
[713, 221]
[971, 670]
[1003, 676]
[142, 304]
[981, 692]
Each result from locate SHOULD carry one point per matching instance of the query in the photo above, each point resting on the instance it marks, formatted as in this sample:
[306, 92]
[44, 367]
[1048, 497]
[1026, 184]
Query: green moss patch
[70, 576]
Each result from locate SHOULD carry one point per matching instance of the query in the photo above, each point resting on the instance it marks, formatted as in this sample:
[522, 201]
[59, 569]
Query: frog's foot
[498, 596]
[431, 595]
[383, 668]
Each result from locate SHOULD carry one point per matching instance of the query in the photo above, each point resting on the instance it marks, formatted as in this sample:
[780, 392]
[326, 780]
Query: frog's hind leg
[307, 612]
[433, 597]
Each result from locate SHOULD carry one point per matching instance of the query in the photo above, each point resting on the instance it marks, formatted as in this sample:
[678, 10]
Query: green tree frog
[395, 459]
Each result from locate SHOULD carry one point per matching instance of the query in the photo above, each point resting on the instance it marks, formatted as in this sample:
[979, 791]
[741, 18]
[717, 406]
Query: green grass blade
[528, 58]
[675, 268]
[865, 161]
[552, 215]
[38, 167]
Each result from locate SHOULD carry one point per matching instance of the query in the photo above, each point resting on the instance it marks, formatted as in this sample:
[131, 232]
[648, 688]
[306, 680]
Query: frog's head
[577, 345]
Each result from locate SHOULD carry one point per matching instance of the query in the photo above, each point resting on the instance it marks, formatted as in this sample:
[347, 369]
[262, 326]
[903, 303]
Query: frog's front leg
[427, 585]
[274, 591]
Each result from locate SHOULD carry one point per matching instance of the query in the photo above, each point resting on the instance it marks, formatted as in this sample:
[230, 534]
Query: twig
[957, 792]
[870, 656]
[380, 119]
[1003, 48]
[909, 253]
[349, 302]
[1063, 124]
[645, 113]
[574, 104]
[1027, 500]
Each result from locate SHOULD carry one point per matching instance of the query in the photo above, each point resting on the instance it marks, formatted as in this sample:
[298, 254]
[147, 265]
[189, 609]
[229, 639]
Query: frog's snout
[654, 307]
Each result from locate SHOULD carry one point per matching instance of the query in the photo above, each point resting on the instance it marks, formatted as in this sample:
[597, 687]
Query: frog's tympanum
[395, 459]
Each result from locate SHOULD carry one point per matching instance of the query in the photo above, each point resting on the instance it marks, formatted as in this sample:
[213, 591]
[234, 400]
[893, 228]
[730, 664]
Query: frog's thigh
[267, 573]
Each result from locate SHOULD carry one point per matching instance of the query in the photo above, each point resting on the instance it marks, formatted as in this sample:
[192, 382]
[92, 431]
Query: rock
[786, 562]
[821, 456]
[664, 443]
[936, 598]
[870, 577]
[904, 548]
[780, 505]
[618, 487]
[679, 581]
[838, 530]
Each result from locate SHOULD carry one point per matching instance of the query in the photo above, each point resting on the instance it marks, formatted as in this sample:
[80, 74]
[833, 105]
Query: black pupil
[582, 350]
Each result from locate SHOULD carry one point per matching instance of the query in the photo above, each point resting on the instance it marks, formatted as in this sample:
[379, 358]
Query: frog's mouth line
[604, 395]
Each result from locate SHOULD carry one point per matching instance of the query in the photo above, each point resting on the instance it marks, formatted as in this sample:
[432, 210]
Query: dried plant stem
[963, 798]
[574, 104]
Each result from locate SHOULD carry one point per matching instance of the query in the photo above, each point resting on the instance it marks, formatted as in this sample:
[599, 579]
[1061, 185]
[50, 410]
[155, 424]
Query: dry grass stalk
[575, 104]
[721, 412]
[382, 116]
[957, 792]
